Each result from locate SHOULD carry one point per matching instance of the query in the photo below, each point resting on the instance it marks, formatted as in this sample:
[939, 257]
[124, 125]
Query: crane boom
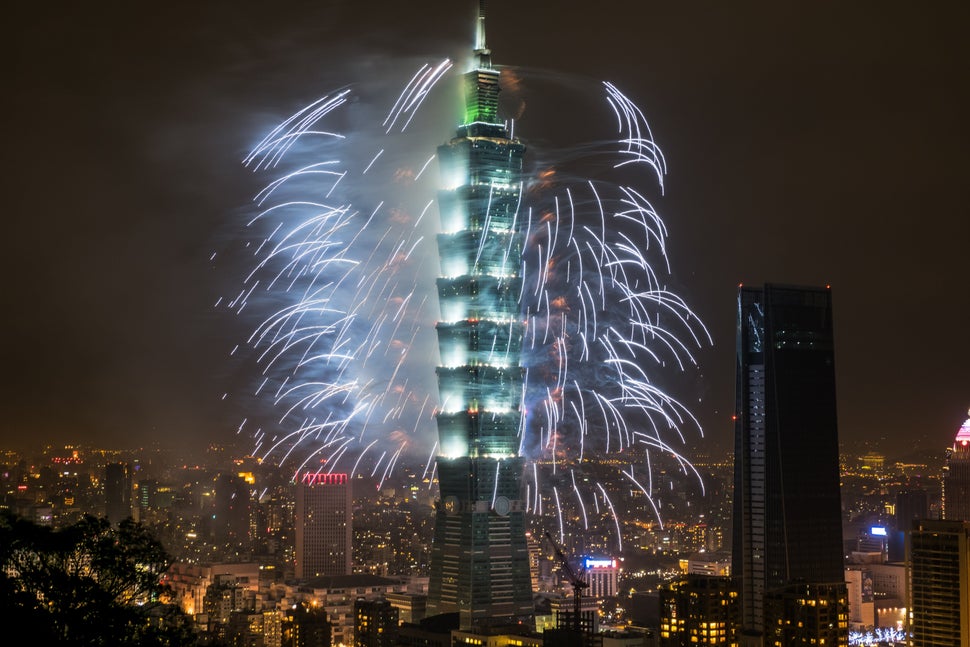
[576, 579]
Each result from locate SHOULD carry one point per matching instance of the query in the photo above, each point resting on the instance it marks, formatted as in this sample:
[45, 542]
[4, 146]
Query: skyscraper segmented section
[480, 558]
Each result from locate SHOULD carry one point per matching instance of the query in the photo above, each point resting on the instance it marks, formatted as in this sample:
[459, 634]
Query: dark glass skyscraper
[117, 491]
[787, 508]
[479, 559]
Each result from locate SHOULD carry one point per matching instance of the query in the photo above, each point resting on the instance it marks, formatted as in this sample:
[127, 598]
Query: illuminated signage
[316, 478]
[877, 531]
[599, 562]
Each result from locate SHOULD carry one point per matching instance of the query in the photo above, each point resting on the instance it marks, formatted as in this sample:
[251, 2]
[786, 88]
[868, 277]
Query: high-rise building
[956, 477]
[699, 610]
[231, 510]
[910, 506]
[480, 557]
[602, 575]
[117, 491]
[788, 557]
[324, 525]
[938, 553]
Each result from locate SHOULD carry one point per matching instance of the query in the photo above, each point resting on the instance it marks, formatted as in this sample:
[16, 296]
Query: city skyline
[114, 332]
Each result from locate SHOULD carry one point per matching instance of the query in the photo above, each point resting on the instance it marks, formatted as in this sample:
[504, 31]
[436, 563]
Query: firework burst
[601, 323]
[339, 294]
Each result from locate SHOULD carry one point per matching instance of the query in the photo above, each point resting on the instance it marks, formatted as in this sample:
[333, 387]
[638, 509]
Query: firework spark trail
[328, 273]
[610, 320]
[336, 268]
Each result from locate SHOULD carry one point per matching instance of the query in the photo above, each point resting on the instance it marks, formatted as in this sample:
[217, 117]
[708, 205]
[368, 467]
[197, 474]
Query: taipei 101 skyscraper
[479, 558]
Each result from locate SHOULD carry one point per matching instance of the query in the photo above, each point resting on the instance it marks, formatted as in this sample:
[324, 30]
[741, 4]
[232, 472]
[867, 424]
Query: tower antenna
[482, 51]
[480, 28]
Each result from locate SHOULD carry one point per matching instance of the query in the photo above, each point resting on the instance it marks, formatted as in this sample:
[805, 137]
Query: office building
[938, 553]
[412, 607]
[889, 588]
[324, 528]
[231, 510]
[714, 563]
[480, 556]
[787, 550]
[910, 505]
[956, 477]
[861, 597]
[602, 575]
[117, 491]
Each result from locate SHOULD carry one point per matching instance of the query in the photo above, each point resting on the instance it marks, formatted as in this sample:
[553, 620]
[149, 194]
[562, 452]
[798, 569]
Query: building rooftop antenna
[481, 49]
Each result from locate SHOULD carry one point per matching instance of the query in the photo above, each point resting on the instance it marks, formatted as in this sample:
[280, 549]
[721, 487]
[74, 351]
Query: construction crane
[576, 579]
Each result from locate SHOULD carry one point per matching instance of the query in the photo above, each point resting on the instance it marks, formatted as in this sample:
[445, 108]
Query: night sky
[807, 143]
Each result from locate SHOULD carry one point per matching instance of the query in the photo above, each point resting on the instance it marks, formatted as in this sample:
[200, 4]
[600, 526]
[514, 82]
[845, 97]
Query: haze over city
[805, 144]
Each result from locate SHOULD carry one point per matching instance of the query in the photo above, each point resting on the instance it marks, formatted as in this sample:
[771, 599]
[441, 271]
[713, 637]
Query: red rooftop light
[316, 478]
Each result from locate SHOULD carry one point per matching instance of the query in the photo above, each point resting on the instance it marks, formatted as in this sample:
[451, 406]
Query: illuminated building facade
[375, 623]
[480, 558]
[788, 557]
[602, 574]
[956, 477]
[808, 614]
[699, 610]
[715, 563]
[938, 553]
[324, 527]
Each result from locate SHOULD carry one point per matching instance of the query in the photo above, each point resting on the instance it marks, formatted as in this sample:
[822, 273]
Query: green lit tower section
[479, 559]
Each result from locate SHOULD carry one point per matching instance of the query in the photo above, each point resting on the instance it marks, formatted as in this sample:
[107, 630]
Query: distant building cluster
[823, 549]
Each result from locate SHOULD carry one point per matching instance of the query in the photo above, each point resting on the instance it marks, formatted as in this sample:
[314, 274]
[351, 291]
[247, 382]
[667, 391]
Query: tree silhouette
[87, 584]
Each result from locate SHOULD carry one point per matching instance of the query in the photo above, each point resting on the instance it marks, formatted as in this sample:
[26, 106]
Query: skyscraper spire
[483, 54]
[482, 81]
